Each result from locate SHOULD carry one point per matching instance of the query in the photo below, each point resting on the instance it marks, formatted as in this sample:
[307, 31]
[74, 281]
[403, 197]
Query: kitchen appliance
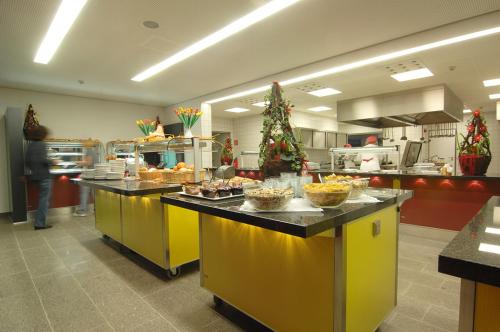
[422, 106]
[411, 154]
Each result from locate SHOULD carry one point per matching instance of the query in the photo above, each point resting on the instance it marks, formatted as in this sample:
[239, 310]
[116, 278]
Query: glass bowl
[358, 187]
[328, 195]
[267, 199]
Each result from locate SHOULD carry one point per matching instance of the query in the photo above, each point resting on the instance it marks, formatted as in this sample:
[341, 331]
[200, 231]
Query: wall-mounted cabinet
[315, 139]
[319, 140]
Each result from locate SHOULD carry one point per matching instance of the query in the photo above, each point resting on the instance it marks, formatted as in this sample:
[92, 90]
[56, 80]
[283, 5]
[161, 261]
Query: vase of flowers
[474, 154]
[146, 126]
[188, 116]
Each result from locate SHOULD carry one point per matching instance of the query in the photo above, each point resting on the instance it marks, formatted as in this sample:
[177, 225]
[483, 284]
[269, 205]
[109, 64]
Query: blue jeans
[45, 191]
[84, 200]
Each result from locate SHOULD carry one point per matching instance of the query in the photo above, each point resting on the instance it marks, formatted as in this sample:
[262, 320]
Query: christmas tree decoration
[227, 152]
[474, 154]
[279, 150]
[30, 122]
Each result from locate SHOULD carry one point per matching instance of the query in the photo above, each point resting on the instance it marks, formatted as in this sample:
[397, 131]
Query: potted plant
[279, 150]
[188, 116]
[474, 154]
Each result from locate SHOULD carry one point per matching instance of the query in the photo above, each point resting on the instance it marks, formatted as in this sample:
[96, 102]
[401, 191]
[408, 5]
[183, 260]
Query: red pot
[472, 164]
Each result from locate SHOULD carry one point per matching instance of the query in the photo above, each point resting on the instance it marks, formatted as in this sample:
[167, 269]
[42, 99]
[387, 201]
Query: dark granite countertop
[474, 253]
[303, 224]
[130, 188]
[494, 176]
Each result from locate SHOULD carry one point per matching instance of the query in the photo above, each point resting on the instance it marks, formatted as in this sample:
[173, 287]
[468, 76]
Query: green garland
[278, 140]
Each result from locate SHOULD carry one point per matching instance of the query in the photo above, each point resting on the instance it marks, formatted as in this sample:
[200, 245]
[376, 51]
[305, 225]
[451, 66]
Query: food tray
[211, 199]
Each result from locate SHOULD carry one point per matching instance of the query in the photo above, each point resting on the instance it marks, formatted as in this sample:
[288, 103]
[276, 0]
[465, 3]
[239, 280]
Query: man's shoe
[42, 227]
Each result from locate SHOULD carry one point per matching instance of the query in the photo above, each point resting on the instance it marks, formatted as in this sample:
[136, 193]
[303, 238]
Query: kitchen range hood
[423, 106]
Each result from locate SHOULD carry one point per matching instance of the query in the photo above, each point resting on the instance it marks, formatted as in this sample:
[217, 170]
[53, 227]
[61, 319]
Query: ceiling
[462, 67]
[108, 45]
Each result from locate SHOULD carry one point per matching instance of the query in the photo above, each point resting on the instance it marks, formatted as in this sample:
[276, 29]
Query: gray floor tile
[15, 284]
[434, 296]
[46, 265]
[443, 318]
[422, 278]
[221, 325]
[22, 312]
[402, 323]
[12, 265]
[9, 253]
[156, 325]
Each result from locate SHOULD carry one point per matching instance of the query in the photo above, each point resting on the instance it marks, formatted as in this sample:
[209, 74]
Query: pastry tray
[215, 199]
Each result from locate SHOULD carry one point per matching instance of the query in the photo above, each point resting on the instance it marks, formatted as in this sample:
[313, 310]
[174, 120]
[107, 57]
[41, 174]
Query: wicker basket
[149, 176]
[189, 176]
[172, 177]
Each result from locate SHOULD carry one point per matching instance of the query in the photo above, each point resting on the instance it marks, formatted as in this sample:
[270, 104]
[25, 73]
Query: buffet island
[298, 271]
[473, 256]
[130, 212]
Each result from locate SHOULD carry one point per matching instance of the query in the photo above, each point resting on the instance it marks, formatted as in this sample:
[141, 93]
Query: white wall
[72, 117]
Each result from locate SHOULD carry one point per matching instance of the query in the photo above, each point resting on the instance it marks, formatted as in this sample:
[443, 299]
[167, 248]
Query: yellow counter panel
[108, 214]
[183, 239]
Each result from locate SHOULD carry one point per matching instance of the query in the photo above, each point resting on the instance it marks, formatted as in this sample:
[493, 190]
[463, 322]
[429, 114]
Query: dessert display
[338, 178]
[358, 187]
[215, 190]
[327, 194]
[210, 192]
[224, 191]
[237, 189]
[192, 189]
[268, 198]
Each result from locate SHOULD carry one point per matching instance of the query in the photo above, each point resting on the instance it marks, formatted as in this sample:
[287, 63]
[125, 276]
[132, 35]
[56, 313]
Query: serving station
[473, 256]
[310, 265]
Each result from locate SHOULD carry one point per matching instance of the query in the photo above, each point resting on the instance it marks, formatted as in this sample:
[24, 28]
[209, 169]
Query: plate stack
[88, 174]
[117, 169]
[101, 170]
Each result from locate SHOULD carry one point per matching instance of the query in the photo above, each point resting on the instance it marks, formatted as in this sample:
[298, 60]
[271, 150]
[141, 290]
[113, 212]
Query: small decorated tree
[474, 152]
[227, 152]
[279, 150]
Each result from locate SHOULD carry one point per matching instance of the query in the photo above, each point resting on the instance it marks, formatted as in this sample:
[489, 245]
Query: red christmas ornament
[476, 114]
[470, 128]
[477, 138]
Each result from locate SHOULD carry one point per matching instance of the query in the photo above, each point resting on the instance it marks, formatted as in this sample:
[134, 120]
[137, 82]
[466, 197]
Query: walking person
[39, 165]
[89, 159]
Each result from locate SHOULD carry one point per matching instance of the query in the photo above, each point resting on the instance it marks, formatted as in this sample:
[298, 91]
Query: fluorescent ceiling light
[319, 108]
[324, 92]
[492, 230]
[493, 82]
[261, 104]
[495, 96]
[467, 111]
[412, 74]
[494, 249]
[366, 62]
[237, 110]
[240, 24]
[65, 16]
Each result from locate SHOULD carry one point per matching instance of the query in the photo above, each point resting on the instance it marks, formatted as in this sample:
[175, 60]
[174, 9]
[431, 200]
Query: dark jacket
[37, 161]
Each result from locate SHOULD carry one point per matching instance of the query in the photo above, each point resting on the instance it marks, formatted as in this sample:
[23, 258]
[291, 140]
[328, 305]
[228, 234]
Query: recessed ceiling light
[493, 82]
[324, 92]
[261, 104]
[467, 111]
[365, 62]
[65, 16]
[495, 96]
[237, 110]
[412, 75]
[240, 24]
[319, 108]
[151, 24]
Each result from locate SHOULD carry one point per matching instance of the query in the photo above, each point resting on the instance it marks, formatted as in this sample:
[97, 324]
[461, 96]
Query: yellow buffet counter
[334, 270]
[131, 214]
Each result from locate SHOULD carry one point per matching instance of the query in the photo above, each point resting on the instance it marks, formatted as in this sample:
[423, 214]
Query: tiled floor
[69, 279]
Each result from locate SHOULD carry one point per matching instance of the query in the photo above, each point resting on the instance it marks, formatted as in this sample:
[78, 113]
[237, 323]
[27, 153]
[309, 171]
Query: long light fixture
[495, 96]
[65, 16]
[261, 104]
[467, 111]
[319, 108]
[412, 74]
[237, 110]
[240, 24]
[493, 82]
[324, 92]
[491, 248]
[366, 62]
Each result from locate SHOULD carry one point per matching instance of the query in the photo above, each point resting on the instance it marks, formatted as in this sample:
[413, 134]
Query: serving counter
[473, 256]
[446, 202]
[334, 270]
[130, 212]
